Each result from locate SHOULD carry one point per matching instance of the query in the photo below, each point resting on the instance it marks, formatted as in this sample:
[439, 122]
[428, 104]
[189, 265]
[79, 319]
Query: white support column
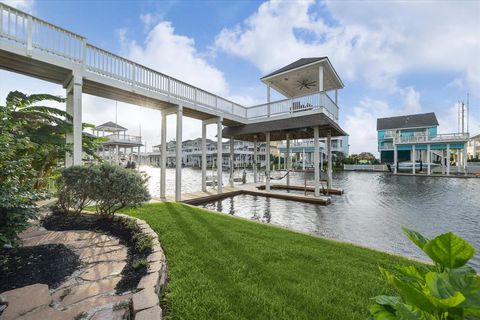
[395, 158]
[321, 160]
[204, 157]
[316, 161]
[232, 160]
[178, 160]
[465, 158]
[429, 160]
[267, 160]
[163, 156]
[268, 100]
[448, 159]
[414, 160]
[117, 155]
[255, 160]
[288, 159]
[219, 157]
[336, 97]
[330, 162]
[74, 108]
[303, 159]
[320, 78]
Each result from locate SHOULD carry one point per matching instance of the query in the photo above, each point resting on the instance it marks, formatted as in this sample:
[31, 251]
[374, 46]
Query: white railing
[37, 35]
[433, 138]
[315, 101]
[365, 167]
[116, 137]
[389, 134]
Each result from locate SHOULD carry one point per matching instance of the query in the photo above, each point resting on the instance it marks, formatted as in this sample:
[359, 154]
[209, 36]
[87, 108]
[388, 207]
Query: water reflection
[370, 213]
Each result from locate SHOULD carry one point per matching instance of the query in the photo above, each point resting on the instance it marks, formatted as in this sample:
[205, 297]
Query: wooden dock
[196, 198]
[326, 191]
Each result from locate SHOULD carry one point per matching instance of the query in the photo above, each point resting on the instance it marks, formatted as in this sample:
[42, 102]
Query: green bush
[114, 188]
[447, 290]
[74, 188]
[111, 187]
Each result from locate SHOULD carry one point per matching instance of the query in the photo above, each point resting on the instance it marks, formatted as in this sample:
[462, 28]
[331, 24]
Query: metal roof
[408, 121]
[110, 125]
[296, 64]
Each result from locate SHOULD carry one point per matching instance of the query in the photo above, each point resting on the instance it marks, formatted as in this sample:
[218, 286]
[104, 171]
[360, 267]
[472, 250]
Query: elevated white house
[36, 48]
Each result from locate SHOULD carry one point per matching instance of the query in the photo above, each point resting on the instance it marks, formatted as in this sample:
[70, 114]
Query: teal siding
[381, 134]
[432, 131]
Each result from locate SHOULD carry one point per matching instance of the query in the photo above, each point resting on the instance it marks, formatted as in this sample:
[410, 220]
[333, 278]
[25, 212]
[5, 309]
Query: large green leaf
[381, 312]
[388, 300]
[408, 292]
[408, 312]
[449, 250]
[415, 237]
[439, 285]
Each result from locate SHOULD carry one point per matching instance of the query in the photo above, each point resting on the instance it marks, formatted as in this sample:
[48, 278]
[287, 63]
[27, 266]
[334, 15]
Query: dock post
[255, 159]
[204, 157]
[448, 159]
[414, 160]
[330, 162]
[316, 162]
[163, 156]
[267, 160]
[178, 151]
[232, 160]
[219, 156]
[288, 160]
[429, 160]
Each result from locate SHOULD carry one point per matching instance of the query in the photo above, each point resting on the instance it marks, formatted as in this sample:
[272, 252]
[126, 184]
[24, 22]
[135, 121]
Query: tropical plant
[46, 129]
[448, 289]
[17, 177]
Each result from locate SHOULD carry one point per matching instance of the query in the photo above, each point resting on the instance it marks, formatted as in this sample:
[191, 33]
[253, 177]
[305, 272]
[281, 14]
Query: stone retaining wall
[146, 302]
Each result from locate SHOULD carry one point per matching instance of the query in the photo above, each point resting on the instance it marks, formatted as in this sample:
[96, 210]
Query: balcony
[386, 147]
[318, 101]
[438, 138]
[122, 139]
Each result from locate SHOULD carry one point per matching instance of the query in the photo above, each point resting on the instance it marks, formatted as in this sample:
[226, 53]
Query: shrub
[447, 290]
[74, 188]
[114, 188]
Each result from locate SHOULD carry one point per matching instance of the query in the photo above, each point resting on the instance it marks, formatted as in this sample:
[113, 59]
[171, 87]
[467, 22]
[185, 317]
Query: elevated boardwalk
[196, 198]
[326, 191]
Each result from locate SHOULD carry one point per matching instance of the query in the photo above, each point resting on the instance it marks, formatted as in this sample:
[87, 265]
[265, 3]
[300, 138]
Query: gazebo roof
[110, 127]
[301, 77]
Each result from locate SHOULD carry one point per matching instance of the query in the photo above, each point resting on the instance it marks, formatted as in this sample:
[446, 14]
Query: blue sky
[394, 57]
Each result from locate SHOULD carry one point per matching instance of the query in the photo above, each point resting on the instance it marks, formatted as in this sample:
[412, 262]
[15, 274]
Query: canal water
[370, 213]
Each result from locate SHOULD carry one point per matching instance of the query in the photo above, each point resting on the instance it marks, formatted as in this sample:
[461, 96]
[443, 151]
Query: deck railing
[118, 137]
[433, 138]
[37, 35]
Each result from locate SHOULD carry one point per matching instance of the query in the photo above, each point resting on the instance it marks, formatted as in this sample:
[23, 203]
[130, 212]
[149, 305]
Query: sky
[394, 57]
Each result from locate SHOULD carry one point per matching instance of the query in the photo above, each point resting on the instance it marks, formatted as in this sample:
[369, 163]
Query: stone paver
[149, 314]
[95, 250]
[103, 270]
[87, 290]
[25, 299]
[147, 298]
[117, 255]
[148, 280]
[48, 313]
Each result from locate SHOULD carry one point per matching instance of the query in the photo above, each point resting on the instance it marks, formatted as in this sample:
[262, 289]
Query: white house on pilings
[118, 146]
[36, 48]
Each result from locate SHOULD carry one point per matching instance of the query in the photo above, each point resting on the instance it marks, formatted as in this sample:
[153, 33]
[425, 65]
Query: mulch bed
[47, 264]
[108, 225]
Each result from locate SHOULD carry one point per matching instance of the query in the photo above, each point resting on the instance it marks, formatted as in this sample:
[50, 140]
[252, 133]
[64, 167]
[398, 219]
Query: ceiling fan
[305, 84]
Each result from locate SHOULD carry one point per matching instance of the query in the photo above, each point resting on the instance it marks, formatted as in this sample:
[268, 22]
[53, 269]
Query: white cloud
[24, 5]
[371, 41]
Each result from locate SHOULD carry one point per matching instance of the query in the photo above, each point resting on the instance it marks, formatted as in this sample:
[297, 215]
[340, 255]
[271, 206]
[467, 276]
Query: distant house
[414, 138]
[474, 147]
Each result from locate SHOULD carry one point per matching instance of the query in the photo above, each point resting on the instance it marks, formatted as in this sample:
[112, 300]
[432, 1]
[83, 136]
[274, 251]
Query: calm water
[370, 213]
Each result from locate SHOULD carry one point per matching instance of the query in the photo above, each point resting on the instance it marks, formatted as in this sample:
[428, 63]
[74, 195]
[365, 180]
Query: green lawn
[227, 268]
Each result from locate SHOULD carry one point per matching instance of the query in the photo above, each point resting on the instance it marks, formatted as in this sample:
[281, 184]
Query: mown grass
[227, 268]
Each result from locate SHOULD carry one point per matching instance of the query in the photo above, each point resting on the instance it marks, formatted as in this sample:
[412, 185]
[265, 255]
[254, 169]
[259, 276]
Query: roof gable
[294, 65]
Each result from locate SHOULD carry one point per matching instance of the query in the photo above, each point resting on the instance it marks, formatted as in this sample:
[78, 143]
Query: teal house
[412, 142]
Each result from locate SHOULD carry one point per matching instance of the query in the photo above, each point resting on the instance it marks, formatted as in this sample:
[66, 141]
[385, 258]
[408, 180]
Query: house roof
[294, 65]
[408, 121]
[110, 125]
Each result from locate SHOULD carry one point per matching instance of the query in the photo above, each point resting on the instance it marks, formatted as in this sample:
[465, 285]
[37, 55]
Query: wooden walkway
[195, 198]
[326, 191]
